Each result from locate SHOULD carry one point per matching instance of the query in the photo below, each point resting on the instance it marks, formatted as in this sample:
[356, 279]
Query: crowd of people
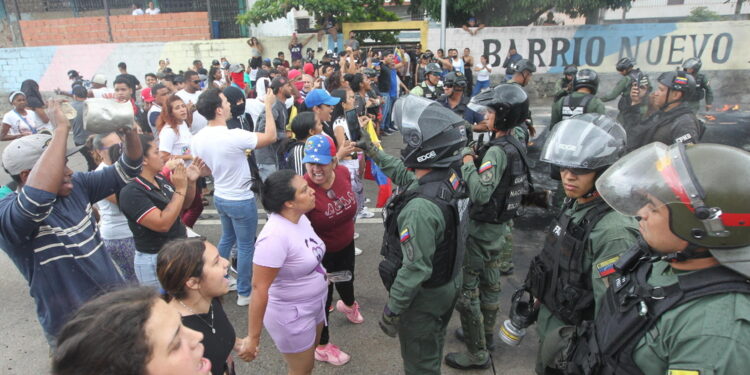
[300, 137]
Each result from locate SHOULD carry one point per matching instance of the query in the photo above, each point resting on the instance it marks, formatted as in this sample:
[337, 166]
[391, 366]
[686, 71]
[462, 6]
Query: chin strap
[690, 252]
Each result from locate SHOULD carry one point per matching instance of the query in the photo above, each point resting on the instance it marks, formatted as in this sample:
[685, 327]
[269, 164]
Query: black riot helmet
[692, 63]
[432, 68]
[509, 102]
[454, 79]
[589, 141]
[678, 81]
[624, 63]
[433, 135]
[586, 78]
[570, 70]
[522, 65]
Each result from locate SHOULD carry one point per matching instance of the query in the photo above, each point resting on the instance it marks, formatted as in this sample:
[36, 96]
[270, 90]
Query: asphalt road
[24, 350]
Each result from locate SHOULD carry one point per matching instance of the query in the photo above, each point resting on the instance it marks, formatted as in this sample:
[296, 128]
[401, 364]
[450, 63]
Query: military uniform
[702, 91]
[575, 104]
[611, 236]
[425, 91]
[677, 125]
[563, 87]
[424, 311]
[622, 90]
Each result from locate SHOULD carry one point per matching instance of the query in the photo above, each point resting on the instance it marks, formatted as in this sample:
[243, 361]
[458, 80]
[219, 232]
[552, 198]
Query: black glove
[365, 143]
[389, 322]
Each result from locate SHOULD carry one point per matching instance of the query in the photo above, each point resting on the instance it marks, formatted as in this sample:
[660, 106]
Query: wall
[125, 28]
[48, 65]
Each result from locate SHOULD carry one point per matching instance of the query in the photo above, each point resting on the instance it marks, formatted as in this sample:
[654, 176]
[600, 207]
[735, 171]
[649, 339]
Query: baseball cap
[278, 82]
[22, 153]
[99, 79]
[215, 62]
[146, 95]
[235, 68]
[319, 149]
[319, 96]
[294, 73]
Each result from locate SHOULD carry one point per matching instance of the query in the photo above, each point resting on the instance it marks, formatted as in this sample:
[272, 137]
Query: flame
[729, 107]
[710, 117]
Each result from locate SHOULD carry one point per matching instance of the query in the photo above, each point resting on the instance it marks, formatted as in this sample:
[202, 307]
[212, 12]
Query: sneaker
[388, 132]
[232, 284]
[365, 214]
[243, 300]
[332, 354]
[356, 235]
[367, 200]
[352, 313]
[357, 251]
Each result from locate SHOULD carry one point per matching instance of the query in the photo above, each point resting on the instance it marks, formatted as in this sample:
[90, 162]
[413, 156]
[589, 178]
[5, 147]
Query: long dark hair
[338, 109]
[177, 262]
[278, 189]
[107, 335]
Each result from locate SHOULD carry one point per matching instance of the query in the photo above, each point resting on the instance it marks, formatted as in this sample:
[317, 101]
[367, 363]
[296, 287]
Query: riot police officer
[702, 87]
[522, 71]
[564, 85]
[585, 239]
[431, 87]
[497, 179]
[671, 119]
[425, 230]
[457, 100]
[581, 100]
[680, 305]
[630, 74]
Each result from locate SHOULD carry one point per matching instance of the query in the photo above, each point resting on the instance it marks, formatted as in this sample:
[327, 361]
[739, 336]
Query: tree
[343, 10]
[512, 12]
[702, 14]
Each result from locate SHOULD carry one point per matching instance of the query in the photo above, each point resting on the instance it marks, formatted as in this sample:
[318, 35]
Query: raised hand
[179, 178]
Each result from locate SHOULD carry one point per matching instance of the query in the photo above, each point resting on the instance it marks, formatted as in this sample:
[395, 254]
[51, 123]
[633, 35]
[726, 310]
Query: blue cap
[319, 149]
[319, 96]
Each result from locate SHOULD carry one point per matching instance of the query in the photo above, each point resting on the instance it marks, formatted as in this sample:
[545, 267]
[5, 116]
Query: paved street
[24, 350]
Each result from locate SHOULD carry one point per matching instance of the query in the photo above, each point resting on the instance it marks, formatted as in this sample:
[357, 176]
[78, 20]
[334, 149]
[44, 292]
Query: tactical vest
[575, 106]
[556, 276]
[700, 88]
[447, 191]
[631, 308]
[505, 202]
[634, 76]
[430, 93]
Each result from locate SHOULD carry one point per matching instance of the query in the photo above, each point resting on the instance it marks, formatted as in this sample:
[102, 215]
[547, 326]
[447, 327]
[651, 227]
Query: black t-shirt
[134, 82]
[217, 345]
[138, 198]
[384, 80]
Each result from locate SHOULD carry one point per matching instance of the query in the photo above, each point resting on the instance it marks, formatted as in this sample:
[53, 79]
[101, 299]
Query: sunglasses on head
[576, 171]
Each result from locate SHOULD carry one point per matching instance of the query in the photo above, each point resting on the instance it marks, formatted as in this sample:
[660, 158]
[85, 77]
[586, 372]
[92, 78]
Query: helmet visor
[578, 143]
[406, 114]
[647, 178]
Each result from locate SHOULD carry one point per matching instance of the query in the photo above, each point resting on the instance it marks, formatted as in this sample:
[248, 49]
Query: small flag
[607, 267]
[454, 181]
[681, 80]
[405, 235]
[485, 166]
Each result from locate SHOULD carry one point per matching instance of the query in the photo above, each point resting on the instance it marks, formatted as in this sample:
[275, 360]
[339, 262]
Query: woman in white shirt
[19, 121]
[113, 225]
[483, 75]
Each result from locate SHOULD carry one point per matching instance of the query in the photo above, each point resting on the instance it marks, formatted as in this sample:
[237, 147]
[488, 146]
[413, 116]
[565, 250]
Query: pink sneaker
[352, 313]
[332, 354]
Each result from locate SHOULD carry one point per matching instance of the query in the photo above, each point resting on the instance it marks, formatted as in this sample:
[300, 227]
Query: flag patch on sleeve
[683, 372]
[607, 267]
[454, 181]
[485, 166]
[405, 235]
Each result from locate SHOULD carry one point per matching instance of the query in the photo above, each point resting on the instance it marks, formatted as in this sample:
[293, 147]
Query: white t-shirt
[188, 97]
[176, 145]
[199, 122]
[482, 75]
[113, 225]
[150, 11]
[138, 12]
[223, 151]
[19, 124]
[254, 107]
[104, 92]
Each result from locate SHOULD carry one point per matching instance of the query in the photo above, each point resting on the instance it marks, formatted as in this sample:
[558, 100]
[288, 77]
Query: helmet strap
[690, 252]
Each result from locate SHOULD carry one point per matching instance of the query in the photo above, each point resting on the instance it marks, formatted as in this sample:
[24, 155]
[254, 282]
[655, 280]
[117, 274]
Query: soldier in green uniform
[581, 100]
[626, 67]
[431, 87]
[702, 87]
[587, 237]
[425, 230]
[681, 305]
[564, 85]
[497, 179]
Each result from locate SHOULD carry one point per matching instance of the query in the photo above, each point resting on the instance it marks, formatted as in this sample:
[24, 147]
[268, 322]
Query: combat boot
[468, 361]
[489, 339]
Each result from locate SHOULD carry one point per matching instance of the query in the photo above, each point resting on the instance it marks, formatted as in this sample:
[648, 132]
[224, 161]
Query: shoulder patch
[683, 372]
[607, 267]
[485, 166]
[454, 181]
[404, 235]
[485, 177]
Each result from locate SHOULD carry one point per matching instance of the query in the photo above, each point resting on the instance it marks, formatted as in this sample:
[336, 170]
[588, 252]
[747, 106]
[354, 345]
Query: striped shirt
[55, 242]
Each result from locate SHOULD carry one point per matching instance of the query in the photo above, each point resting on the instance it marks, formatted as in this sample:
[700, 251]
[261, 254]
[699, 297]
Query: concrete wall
[126, 28]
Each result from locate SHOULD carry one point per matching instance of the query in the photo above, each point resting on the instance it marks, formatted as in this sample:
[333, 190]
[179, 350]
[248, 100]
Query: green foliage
[511, 12]
[702, 14]
[343, 10]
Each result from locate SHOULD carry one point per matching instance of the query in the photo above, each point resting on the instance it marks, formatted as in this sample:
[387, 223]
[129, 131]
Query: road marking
[373, 220]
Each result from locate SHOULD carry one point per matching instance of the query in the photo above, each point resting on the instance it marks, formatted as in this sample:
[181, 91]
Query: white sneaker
[357, 251]
[365, 214]
[232, 284]
[367, 200]
[243, 300]
[356, 235]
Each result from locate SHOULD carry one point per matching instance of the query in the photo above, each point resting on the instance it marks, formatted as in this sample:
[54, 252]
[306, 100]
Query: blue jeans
[479, 86]
[239, 221]
[145, 269]
[387, 106]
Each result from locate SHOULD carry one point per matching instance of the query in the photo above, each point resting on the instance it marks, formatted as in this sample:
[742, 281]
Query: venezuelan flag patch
[485, 166]
[454, 181]
[681, 80]
[607, 267]
[683, 372]
[405, 235]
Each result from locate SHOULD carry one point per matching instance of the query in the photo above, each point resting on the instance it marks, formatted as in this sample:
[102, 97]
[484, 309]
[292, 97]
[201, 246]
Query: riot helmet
[433, 135]
[678, 81]
[589, 141]
[509, 102]
[586, 78]
[692, 63]
[570, 70]
[624, 64]
[522, 65]
[433, 68]
[454, 79]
